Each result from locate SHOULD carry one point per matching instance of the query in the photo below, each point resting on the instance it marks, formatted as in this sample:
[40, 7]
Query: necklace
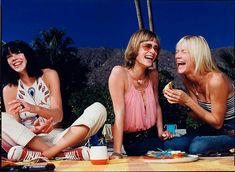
[140, 81]
[197, 86]
[196, 90]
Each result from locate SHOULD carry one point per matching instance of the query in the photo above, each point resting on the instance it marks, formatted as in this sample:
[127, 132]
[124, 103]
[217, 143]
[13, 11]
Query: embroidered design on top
[37, 94]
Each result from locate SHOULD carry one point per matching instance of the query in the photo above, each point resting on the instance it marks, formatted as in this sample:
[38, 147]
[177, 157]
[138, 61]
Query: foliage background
[84, 74]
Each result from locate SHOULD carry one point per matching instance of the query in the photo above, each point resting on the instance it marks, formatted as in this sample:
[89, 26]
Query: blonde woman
[209, 98]
[134, 92]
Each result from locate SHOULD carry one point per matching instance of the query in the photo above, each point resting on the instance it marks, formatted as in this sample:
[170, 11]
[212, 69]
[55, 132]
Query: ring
[21, 104]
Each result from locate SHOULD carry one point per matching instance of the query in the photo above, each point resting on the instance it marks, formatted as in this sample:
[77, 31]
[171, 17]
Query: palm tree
[53, 44]
[55, 47]
[139, 14]
[150, 16]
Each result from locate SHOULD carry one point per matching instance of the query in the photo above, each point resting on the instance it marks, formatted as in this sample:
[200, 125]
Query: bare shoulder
[50, 77]
[118, 71]
[9, 93]
[47, 73]
[219, 81]
[9, 89]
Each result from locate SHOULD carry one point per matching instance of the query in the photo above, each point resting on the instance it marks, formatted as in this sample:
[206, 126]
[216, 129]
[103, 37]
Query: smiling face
[147, 53]
[17, 61]
[184, 62]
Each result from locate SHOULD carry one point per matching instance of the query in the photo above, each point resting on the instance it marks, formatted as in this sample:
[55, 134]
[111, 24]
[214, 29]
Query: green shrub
[81, 99]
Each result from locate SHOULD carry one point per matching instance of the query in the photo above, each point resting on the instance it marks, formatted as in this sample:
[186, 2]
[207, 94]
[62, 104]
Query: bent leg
[14, 133]
[179, 143]
[85, 126]
[208, 144]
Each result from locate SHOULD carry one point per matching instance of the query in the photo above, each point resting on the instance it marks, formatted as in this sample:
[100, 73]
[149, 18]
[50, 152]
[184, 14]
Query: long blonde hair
[200, 52]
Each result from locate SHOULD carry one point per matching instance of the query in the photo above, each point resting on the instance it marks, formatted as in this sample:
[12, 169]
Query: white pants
[14, 133]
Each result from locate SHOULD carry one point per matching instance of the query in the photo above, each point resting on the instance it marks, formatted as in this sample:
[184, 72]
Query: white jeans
[15, 133]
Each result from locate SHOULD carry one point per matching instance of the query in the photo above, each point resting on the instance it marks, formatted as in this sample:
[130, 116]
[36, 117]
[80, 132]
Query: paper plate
[189, 158]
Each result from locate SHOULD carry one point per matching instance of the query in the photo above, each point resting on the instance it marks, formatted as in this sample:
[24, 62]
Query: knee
[99, 109]
[177, 144]
[198, 146]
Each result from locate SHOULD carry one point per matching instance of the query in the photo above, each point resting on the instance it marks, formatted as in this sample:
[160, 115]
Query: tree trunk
[139, 14]
[151, 27]
[150, 16]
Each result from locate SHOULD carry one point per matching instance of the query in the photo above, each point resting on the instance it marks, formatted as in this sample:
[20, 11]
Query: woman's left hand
[42, 127]
[166, 135]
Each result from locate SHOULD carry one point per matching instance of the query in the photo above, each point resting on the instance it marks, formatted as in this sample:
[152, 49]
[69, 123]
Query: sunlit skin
[119, 86]
[183, 60]
[147, 53]
[202, 86]
[17, 61]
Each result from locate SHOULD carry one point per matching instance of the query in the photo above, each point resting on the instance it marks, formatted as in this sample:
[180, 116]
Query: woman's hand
[42, 125]
[115, 156]
[175, 95]
[27, 107]
[166, 135]
[14, 107]
[19, 106]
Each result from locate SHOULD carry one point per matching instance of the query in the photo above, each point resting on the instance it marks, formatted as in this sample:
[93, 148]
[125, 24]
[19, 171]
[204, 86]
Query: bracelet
[117, 154]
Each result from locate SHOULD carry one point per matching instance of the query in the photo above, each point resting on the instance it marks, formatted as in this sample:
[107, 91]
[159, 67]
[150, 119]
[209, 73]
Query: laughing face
[147, 53]
[17, 61]
[184, 61]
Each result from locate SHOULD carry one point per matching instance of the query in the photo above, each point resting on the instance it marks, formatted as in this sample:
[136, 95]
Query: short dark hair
[10, 76]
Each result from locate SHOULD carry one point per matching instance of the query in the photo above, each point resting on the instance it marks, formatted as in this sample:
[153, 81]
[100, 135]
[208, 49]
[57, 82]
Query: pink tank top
[137, 117]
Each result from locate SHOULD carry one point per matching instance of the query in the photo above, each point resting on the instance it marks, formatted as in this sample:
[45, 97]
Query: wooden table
[138, 164]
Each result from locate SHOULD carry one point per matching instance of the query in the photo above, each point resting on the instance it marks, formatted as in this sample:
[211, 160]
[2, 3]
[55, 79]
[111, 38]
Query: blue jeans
[204, 140]
[139, 143]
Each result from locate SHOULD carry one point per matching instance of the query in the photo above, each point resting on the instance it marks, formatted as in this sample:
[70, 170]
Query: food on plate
[166, 154]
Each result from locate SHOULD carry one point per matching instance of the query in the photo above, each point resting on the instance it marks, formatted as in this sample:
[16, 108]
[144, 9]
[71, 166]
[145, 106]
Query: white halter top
[36, 94]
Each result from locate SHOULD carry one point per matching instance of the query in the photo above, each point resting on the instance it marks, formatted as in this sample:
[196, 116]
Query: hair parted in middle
[200, 53]
[136, 39]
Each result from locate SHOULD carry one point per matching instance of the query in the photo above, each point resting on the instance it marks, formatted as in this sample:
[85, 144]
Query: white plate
[189, 158]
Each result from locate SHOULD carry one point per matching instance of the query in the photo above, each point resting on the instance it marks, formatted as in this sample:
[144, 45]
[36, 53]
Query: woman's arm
[51, 79]
[117, 91]
[159, 123]
[217, 89]
[9, 94]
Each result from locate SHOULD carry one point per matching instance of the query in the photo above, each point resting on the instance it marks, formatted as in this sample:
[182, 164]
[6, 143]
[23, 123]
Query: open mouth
[17, 64]
[148, 57]
[180, 64]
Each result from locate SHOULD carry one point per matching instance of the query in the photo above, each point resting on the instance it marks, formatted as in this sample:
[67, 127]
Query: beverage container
[99, 155]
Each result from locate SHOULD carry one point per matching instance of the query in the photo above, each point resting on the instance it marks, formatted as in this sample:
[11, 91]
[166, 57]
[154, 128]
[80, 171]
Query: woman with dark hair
[134, 92]
[16, 47]
[33, 106]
